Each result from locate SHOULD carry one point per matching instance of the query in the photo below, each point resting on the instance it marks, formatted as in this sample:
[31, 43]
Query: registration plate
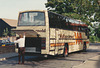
[30, 49]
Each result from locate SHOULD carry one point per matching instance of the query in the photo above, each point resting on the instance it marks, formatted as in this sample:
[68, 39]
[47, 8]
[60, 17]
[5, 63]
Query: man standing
[21, 49]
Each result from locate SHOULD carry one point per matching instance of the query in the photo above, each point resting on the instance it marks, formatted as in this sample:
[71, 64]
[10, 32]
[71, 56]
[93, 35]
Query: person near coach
[21, 47]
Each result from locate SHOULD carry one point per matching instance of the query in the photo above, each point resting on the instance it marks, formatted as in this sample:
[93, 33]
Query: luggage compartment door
[33, 44]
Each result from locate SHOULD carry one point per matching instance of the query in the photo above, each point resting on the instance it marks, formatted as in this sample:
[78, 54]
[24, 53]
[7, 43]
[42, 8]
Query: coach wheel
[84, 47]
[65, 54]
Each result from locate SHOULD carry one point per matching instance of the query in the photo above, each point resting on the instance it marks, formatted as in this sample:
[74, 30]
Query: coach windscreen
[31, 19]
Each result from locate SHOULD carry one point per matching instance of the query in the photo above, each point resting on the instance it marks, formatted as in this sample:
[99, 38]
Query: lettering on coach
[63, 36]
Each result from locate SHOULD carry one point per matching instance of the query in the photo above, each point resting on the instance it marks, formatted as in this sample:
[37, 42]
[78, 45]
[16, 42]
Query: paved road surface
[54, 62]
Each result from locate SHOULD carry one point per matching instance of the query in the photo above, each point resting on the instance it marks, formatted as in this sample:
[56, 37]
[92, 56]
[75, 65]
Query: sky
[10, 8]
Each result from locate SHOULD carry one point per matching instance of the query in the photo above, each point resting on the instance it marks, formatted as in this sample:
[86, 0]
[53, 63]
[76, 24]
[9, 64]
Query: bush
[92, 39]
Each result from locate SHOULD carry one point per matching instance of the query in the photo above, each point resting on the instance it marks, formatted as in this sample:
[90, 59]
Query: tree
[6, 32]
[97, 32]
[97, 11]
[77, 9]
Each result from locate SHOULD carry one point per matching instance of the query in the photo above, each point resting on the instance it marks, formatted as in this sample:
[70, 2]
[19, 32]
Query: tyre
[65, 53]
[84, 47]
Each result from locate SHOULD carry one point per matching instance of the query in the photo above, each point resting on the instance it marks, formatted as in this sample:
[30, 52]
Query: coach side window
[52, 23]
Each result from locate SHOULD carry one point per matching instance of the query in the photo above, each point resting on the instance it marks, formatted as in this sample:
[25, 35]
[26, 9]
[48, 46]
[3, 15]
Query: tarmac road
[73, 59]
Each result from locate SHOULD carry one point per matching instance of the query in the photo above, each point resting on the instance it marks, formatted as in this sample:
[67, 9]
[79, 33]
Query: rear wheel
[65, 53]
[84, 47]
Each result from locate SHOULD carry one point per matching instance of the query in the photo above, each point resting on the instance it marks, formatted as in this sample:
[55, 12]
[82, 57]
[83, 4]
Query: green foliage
[6, 32]
[97, 31]
[92, 31]
[92, 39]
[13, 34]
[94, 34]
[77, 9]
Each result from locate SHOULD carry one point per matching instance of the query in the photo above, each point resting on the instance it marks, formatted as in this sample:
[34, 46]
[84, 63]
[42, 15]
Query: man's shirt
[21, 42]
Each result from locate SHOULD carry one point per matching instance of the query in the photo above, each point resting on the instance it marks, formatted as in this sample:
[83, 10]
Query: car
[6, 43]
